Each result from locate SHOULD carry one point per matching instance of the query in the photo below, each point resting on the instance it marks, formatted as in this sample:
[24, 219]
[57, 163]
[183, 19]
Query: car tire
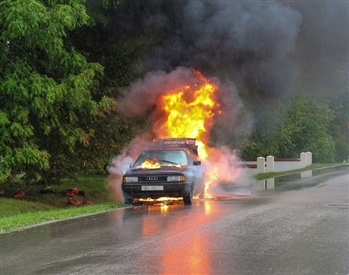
[188, 198]
[128, 201]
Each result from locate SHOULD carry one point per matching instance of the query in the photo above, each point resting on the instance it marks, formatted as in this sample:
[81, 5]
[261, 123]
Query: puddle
[300, 180]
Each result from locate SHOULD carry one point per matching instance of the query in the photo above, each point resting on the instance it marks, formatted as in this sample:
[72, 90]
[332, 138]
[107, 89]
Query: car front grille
[153, 178]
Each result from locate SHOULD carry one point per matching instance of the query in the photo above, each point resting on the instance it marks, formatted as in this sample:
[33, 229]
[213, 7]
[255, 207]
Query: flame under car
[171, 169]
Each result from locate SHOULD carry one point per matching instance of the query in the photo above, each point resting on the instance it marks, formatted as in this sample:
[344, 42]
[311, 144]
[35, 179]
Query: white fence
[271, 164]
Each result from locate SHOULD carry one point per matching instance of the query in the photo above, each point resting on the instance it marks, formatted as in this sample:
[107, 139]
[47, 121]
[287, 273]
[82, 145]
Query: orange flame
[150, 164]
[190, 111]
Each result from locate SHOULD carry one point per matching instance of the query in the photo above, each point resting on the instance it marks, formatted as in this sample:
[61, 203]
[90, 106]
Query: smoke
[116, 170]
[249, 43]
[228, 125]
[257, 52]
[269, 49]
[322, 55]
[121, 163]
[223, 167]
[142, 98]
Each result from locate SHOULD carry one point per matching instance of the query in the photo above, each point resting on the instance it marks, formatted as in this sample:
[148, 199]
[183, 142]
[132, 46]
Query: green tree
[119, 50]
[305, 126]
[265, 137]
[340, 126]
[46, 88]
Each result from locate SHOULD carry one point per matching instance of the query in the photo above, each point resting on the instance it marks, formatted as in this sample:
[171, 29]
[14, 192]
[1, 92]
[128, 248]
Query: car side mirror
[196, 162]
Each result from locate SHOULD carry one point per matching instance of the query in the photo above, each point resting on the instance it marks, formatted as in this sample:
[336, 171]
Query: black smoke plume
[249, 43]
[264, 47]
[268, 49]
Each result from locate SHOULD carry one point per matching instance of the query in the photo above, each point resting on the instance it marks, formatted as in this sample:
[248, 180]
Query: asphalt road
[301, 226]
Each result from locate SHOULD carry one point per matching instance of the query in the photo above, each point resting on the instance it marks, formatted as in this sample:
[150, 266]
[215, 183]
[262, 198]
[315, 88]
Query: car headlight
[176, 178]
[129, 179]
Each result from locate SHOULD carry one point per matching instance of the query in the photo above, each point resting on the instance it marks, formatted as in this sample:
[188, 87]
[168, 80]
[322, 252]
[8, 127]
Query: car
[170, 169]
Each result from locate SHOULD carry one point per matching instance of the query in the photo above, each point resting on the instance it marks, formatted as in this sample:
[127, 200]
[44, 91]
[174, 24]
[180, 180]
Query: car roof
[176, 143]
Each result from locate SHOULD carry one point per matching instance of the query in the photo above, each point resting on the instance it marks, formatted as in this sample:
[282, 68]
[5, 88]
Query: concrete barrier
[260, 165]
[271, 164]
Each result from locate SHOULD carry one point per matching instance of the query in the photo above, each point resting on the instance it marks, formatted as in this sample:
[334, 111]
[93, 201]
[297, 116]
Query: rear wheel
[188, 198]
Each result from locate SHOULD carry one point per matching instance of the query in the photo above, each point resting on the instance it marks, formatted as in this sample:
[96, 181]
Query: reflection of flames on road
[162, 199]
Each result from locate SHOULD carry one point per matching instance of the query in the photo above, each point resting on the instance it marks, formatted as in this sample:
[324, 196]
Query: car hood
[161, 170]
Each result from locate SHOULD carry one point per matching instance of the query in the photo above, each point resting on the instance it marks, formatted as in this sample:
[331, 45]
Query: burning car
[170, 169]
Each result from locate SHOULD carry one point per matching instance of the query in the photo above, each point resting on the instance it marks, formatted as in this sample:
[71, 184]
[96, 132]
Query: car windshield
[158, 158]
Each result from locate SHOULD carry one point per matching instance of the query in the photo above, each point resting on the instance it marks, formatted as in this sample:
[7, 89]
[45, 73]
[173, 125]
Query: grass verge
[31, 218]
[36, 207]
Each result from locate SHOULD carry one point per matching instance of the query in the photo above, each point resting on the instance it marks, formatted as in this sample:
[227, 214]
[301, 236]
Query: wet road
[301, 226]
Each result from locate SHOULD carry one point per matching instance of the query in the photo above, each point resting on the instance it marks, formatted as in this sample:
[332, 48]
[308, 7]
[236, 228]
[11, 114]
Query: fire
[162, 199]
[150, 164]
[155, 164]
[211, 175]
[190, 111]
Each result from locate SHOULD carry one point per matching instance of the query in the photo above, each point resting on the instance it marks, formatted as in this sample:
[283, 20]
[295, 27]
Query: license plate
[152, 188]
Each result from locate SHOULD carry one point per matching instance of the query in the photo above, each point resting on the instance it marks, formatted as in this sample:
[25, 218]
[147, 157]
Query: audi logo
[152, 178]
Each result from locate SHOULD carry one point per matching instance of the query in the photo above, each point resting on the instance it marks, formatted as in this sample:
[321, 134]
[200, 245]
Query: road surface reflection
[172, 236]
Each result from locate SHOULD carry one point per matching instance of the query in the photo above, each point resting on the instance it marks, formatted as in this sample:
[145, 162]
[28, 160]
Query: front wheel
[188, 198]
[128, 201]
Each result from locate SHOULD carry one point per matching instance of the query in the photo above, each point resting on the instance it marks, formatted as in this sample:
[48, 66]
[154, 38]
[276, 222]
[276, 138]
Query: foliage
[45, 88]
[262, 142]
[98, 10]
[265, 139]
[306, 127]
[119, 51]
[117, 48]
[339, 128]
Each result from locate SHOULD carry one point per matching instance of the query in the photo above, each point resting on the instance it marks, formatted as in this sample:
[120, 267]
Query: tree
[113, 43]
[119, 50]
[305, 127]
[265, 138]
[340, 126]
[308, 127]
[47, 107]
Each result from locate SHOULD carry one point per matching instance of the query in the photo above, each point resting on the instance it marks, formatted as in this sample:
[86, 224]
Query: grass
[39, 216]
[36, 207]
[11, 207]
